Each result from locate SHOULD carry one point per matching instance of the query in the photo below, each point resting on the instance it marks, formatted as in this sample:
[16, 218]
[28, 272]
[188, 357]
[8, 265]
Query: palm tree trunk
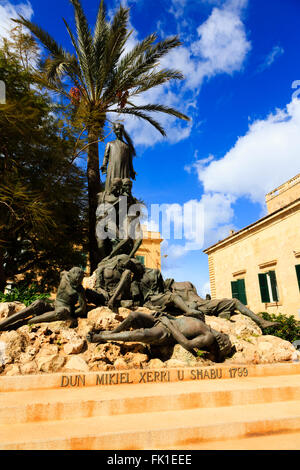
[94, 187]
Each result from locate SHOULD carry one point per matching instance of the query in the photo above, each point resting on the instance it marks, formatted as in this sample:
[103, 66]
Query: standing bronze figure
[117, 162]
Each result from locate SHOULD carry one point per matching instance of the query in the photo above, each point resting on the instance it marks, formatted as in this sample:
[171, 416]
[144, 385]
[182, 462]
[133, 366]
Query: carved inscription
[156, 376]
[113, 379]
[238, 372]
[200, 374]
[72, 381]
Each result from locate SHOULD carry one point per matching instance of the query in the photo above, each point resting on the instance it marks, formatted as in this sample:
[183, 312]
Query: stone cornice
[259, 224]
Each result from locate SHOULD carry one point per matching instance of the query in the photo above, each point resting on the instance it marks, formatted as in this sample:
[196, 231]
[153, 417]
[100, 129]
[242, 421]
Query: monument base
[153, 409]
[62, 347]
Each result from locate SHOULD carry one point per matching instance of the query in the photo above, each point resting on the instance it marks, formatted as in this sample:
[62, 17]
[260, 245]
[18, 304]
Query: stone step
[85, 402]
[156, 430]
[272, 441]
[136, 376]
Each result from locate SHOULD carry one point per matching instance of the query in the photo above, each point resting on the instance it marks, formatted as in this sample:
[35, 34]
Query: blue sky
[240, 59]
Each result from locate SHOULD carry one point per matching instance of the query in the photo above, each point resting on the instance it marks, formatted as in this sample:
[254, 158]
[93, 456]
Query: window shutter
[141, 259]
[242, 291]
[272, 275]
[264, 291]
[235, 290]
[298, 274]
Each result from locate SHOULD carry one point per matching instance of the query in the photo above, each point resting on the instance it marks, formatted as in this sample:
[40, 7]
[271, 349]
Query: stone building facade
[260, 264]
[150, 253]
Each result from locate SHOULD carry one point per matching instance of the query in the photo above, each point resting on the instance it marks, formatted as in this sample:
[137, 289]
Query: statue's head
[76, 276]
[118, 129]
[224, 344]
[120, 132]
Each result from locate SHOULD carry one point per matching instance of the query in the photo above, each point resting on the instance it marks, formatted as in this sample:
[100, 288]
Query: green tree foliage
[289, 328]
[104, 78]
[42, 193]
[24, 294]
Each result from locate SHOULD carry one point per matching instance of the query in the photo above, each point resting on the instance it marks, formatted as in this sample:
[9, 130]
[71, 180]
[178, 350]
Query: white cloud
[223, 43]
[198, 165]
[204, 289]
[261, 160]
[196, 225]
[221, 46]
[8, 11]
[177, 8]
[265, 157]
[217, 211]
[276, 52]
[237, 6]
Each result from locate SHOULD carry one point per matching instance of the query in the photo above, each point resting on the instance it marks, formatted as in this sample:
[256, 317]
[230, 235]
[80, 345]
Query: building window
[268, 287]
[141, 259]
[239, 290]
[298, 274]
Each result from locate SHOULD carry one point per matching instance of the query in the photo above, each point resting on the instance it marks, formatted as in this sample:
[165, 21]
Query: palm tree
[104, 79]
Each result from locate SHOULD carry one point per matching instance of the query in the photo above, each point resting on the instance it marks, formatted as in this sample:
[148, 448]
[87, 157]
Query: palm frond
[54, 69]
[55, 49]
[136, 52]
[158, 108]
[151, 80]
[99, 68]
[111, 48]
[60, 61]
[141, 115]
[85, 48]
[76, 69]
[117, 37]
[127, 62]
[144, 62]
[100, 22]
[56, 87]
[150, 58]
[101, 36]
[118, 34]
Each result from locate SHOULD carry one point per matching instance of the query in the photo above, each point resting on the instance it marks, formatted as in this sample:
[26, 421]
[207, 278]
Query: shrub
[25, 295]
[289, 328]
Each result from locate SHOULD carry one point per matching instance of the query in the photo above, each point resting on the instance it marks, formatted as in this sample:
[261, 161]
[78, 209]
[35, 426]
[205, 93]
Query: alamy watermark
[172, 221]
[2, 92]
[296, 84]
[296, 356]
[2, 353]
[296, 344]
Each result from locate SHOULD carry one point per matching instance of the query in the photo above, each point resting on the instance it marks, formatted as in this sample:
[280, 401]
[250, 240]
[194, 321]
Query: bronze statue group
[177, 311]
